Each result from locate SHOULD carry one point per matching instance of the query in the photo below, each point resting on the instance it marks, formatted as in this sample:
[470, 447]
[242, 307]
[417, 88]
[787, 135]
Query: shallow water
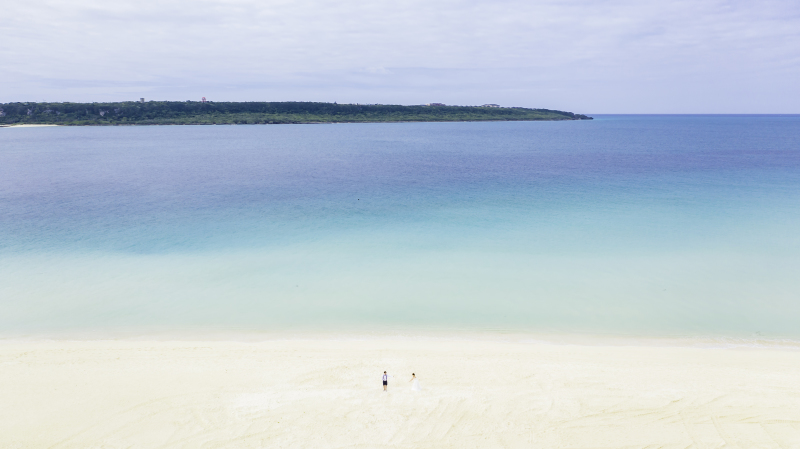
[642, 225]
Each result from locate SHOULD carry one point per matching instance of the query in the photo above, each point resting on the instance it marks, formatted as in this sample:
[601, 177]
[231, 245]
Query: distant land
[241, 113]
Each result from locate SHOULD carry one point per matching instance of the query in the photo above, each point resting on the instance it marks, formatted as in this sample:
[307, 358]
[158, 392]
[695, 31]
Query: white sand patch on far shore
[328, 394]
[25, 126]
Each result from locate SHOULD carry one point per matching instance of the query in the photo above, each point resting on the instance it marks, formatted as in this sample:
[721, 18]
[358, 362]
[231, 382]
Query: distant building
[435, 104]
[141, 100]
[491, 105]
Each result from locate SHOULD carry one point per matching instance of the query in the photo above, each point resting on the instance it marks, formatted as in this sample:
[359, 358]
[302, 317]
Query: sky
[597, 56]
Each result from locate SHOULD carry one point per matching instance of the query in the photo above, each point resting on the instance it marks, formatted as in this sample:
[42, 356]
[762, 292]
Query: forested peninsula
[240, 113]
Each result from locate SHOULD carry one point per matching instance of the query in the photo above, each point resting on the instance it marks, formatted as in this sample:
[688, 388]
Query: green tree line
[228, 113]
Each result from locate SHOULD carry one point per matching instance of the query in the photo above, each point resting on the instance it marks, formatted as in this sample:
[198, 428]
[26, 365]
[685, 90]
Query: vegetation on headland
[230, 113]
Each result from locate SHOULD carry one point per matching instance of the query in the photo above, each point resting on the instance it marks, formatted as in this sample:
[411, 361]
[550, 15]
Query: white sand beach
[26, 126]
[326, 393]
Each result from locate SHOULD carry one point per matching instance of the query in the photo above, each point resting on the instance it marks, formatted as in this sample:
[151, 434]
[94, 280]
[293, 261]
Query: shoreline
[28, 125]
[291, 123]
[410, 334]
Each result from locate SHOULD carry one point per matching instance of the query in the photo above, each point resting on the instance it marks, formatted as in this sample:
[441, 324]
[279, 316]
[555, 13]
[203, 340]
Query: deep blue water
[626, 224]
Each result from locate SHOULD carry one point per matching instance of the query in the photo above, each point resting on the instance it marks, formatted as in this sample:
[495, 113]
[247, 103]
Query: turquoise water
[643, 225]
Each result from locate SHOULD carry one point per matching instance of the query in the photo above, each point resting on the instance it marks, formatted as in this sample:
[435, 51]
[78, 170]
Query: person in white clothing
[415, 383]
[385, 380]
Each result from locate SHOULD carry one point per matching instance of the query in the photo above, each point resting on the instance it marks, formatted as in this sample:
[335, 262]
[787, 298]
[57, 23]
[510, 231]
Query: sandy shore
[327, 393]
[25, 126]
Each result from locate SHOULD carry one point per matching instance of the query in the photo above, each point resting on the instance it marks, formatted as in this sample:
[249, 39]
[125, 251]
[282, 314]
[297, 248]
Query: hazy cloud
[585, 56]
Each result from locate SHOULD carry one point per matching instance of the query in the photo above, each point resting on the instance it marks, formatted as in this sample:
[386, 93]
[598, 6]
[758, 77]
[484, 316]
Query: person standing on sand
[385, 380]
[415, 383]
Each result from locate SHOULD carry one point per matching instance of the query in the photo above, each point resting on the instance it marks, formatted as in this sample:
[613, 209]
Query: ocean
[624, 225]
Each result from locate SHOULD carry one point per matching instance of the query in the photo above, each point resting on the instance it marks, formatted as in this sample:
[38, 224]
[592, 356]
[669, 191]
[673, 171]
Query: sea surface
[635, 225]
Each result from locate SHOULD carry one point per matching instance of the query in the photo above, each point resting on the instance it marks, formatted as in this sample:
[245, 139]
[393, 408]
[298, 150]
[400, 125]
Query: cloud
[587, 56]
